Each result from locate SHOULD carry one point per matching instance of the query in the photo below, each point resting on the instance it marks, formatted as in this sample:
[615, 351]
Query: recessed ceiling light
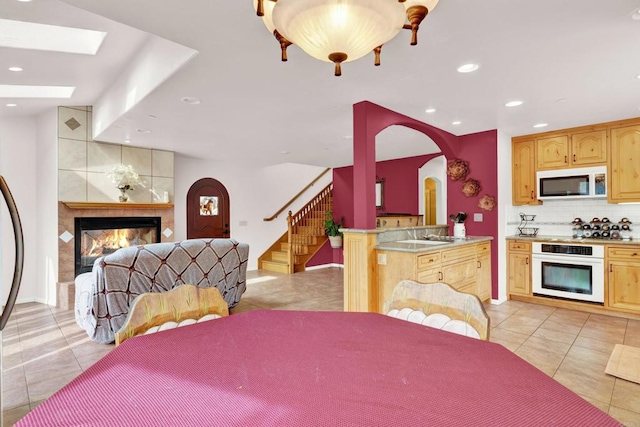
[127, 141]
[513, 104]
[468, 68]
[15, 69]
[24, 1]
[430, 110]
[561, 99]
[191, 100]
[540, 125]
[456, 122]
[143, 130]
[636, 15]
[152, 116]
[347, 137]
[284, 152]
[12, 105]
[25, 91]
[52, 38]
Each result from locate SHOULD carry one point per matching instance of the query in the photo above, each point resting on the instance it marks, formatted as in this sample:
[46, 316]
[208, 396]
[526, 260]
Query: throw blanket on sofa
[102, 303]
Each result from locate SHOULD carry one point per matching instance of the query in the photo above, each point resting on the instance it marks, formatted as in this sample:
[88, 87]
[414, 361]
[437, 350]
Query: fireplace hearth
[100, 236]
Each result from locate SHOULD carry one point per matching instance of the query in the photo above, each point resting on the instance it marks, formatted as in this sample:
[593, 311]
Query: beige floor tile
[626, 395]
[595, 344]
[13, 378]
[545, 361]
[628, 418]
[15, 398]
[12, 416]
[509, 339]
[51, 365]
[554, 335]
[521, 324]
[591, 356]
[585, 379]
[43, 389]
[566, 327]
[544, 344]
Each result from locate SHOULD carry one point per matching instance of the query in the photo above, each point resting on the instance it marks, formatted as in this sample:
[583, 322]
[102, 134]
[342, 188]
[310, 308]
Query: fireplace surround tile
[139, 158]
[72, 186]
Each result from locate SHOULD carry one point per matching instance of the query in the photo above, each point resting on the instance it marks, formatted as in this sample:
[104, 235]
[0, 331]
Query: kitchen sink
[424, 242]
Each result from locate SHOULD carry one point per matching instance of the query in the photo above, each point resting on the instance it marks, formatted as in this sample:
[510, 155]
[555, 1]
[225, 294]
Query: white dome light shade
[351, 27]
[429, 4]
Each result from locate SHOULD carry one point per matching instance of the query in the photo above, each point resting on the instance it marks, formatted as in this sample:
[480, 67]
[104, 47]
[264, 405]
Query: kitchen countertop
[573, 240]
[445, 243]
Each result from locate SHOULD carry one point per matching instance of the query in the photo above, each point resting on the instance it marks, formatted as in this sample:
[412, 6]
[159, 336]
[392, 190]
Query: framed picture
[208, 205]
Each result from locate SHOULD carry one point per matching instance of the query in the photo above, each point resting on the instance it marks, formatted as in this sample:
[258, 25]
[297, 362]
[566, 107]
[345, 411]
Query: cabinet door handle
[531, 194]
[527, 260]
[634, 254]
[440, 275]
[574, 158]
[565, 160]
[479, 264]
[610, 268]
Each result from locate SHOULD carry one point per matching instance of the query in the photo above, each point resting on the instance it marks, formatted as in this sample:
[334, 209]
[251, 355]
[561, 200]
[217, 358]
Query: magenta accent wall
[480, 150]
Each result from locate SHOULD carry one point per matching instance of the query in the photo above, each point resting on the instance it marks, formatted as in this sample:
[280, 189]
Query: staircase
[304, 237]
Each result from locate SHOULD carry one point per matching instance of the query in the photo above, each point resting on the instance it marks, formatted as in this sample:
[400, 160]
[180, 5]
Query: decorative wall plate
[471, 187]
[487, 202]
[457, 169]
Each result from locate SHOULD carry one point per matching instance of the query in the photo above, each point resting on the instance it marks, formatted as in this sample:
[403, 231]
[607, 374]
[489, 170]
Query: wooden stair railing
[308, 221]
[294, 198]
[304, 236]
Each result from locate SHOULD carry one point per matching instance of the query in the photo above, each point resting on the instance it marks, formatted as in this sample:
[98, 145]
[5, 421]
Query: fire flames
[109, 242]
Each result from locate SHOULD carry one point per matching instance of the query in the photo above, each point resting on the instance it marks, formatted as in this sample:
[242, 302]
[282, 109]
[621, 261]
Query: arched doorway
[430, 201]
[208, 210]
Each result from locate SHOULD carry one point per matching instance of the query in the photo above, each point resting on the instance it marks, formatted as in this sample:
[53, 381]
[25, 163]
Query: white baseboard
[498, 301]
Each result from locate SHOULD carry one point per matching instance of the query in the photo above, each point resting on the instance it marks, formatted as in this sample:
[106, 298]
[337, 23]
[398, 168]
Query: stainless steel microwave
[576, 183]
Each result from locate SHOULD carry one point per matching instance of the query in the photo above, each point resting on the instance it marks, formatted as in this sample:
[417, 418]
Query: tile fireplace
[98, 236]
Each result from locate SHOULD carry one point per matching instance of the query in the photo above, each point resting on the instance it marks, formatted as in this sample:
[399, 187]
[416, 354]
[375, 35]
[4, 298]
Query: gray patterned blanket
[102, 303]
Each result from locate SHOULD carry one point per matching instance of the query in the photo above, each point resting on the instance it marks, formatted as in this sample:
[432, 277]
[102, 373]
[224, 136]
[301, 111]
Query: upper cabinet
[524, 172]
[624, 166]
[572, 150]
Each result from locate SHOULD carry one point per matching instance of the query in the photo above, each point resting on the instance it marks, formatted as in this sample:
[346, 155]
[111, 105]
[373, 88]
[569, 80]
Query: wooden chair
[438, 305]
[183, 305]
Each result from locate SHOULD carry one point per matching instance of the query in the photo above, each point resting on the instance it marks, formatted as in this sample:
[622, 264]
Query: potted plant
[332, 229]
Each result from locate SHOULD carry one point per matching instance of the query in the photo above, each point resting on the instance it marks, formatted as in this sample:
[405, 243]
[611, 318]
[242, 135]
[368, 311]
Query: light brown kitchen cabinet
[589, 148]
[552, 152]
[524, 172]
[519, 267]
[623, 277]
[483, 281]
[457, 266]
[624, 166]
[573, 150]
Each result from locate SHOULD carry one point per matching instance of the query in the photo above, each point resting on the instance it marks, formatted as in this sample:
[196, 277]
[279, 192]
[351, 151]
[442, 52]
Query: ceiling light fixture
[456, 122]
[12, 105]
[190, 100]
[513, 104]
[541, 125]
[341, 31]
[15, 69]
[430, 110]
[636, 15]
[468, 68]
[143, 130]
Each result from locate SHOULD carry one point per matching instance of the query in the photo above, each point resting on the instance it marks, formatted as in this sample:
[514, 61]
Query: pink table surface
[296, 368]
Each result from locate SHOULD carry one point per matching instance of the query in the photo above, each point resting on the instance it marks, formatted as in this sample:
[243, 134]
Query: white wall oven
[574, 272]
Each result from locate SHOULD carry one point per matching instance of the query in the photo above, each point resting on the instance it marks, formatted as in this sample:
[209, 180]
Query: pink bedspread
[293, 368]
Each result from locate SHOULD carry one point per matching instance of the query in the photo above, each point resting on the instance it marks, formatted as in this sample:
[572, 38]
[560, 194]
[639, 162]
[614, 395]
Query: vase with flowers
[125, 178]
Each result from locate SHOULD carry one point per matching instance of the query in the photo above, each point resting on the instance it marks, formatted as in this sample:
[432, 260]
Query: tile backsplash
[553, 218]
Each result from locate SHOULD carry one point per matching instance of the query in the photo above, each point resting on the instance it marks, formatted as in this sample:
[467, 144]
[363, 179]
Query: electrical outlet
[477, 217]
[382, 259]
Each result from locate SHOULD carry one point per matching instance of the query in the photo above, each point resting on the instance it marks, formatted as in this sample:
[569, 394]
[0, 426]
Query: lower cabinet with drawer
[466, 268]
[519, 267]
[623, 277]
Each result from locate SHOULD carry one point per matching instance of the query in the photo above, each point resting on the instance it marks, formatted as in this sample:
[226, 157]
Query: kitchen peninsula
[376, 260]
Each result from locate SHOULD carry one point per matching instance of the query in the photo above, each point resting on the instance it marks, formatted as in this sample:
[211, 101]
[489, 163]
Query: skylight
[29, 35]
[24, 91]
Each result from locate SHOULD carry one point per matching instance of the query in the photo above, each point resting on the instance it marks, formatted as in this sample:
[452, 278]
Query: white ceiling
[572, 62]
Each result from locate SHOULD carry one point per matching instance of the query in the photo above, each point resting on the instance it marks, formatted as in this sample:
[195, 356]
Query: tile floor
[44, 349]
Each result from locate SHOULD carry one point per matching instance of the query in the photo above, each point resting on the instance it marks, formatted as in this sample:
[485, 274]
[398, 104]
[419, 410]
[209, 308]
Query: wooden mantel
[122, 205]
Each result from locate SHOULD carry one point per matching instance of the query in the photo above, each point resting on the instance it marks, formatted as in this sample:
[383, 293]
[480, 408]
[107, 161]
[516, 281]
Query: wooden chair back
[183, 305]
[440, 306]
